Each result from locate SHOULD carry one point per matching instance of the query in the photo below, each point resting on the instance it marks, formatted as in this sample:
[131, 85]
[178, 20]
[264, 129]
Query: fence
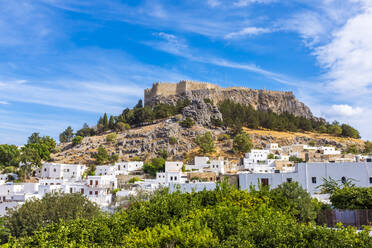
[356, 218]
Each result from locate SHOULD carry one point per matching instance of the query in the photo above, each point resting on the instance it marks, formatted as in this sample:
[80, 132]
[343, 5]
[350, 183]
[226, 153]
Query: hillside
[156, 126]
[146, 142]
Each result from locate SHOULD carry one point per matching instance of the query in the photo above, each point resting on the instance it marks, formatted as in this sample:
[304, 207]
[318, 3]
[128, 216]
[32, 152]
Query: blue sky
[66, 62]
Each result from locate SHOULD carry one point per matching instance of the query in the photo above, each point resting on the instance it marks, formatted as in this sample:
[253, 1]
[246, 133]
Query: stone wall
[277, 101]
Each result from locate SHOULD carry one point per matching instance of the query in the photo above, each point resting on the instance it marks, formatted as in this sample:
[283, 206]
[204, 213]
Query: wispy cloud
[244, 3]
[213, 3]
[249, 31]
[4, 102]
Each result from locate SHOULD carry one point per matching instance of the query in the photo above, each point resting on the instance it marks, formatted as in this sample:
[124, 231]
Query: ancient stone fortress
[277, 101]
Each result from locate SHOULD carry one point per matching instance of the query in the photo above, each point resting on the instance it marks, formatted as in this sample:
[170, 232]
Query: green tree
[9, 155]
[52, 208]
[66, 135]
[205, 142]
[86, 131]
[348, 131]
[353, 149]
[292, 198]
[367, 147]
[156, 165]
[30, 159]
[34, 139]
[242, 143]
[105, 122]
[111, 123]
[335, 129]
[77, 140]
[187, 123]
[296, 159]
[102, 156]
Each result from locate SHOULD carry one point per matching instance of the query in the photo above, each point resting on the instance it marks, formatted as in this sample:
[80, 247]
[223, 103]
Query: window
[68, 170]
[171, 178]
[70, 190]
[90, 192]
[289, 179]
[264, 181]
[313, 179]
[82, 191]
[44, 169]
[370, 180]
[175, 178]
[54, 169]
[96, 182]
[369, 160]
[91, 182]
[96, 192]
[343, 179]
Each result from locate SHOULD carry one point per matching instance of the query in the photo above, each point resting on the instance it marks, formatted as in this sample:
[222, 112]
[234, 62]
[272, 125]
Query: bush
[156, 165]
[242, 143]
[122, 126]
[102, 156]
[224, 217]
[172, 140]
[352, 198]
[52, 208]
[187, 123]
[77, 140]
[205, 142]
[111, 137]
[133, 180]
[222, 137]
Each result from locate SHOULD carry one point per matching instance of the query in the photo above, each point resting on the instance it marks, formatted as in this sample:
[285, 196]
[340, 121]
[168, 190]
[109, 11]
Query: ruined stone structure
[277, 101]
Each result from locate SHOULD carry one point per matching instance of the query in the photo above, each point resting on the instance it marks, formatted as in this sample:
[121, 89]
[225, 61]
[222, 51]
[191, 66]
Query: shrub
[111, 137]
[77, 140]
[222, 137]
[187, 123]
[172, 140]
[122, 126]
[52, 208]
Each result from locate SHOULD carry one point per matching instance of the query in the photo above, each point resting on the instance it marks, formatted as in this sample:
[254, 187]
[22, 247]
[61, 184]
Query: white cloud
[344, 110]
[213, 3]
[249, 31]
[244, 3]
[4, 102]
[348, 56]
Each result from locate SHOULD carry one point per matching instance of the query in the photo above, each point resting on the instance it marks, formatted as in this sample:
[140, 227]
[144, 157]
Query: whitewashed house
[328, 150]
[104, 170]
[124, 168]
[310, 175]
[173, 166]
[204, 164]
[61, 171]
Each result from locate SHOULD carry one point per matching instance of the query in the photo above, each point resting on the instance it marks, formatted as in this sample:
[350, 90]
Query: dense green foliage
[67, 135]
[77, 140]
[102, 156]
[242, 143]
[352, 198]
[236, 116]
[205, 142]
[111, 137]
[52, 208]
[225, 217]
[187, 123]
[367, 147]
[9, 155]
[155, 165]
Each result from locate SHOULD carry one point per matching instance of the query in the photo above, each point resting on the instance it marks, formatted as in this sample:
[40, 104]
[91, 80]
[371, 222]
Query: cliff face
[277, 101]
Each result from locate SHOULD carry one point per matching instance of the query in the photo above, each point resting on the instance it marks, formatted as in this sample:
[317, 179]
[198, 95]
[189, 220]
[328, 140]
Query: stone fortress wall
[171, 89]
[277, 101]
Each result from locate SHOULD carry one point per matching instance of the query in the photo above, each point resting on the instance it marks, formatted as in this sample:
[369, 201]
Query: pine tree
[105, 121]
[111, 123]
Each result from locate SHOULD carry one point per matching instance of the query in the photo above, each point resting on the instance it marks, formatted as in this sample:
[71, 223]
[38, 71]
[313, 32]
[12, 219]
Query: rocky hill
[277, 101]
[146, 142]
[167, 134]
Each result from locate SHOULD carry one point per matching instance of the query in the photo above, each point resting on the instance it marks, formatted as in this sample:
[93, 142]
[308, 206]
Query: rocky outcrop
[203, 113]
[277, 101]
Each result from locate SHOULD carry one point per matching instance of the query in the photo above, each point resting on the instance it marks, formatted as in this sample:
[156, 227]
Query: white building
[103, 170]
[310, 175]
[62, 171]
[204, 164]
[173, 166]
[124, 168]
[272, 147]
[170, 177]
[328, 150]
